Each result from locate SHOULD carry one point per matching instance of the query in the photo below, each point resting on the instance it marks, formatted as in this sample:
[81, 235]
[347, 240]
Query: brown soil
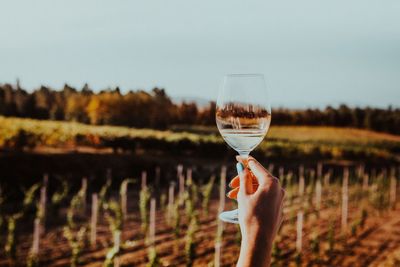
[368, 247]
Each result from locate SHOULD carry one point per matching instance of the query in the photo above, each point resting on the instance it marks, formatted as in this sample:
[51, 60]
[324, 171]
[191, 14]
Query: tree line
[155, 109]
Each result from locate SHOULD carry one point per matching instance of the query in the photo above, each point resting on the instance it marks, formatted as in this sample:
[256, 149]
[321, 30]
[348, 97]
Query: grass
[310, 134]
[331, 134]
[329, 142]
[55, 132]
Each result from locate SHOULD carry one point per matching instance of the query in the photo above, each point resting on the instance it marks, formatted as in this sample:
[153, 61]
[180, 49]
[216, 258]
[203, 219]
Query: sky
[312, 53]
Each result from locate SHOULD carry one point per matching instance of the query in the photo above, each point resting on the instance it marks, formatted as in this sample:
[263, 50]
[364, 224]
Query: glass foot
[231, 216]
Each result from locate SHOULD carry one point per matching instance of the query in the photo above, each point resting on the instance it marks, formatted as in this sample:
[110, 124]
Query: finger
[235, 182]
[262, 175]
[245, 179]
[245, 162]
[241, 160]
[234, 192]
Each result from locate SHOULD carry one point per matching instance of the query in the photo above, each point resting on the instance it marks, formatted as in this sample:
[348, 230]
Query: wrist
[258, 234]
[255, 249]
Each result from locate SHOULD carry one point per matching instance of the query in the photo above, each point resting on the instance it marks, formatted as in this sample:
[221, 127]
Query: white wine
[243, 127]
[243, 141]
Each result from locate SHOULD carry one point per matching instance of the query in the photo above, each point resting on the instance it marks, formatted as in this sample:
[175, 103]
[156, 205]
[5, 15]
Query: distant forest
[155, 109]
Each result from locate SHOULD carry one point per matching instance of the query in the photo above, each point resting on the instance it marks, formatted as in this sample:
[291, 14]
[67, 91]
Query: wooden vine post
[179, 176]
[152, 252]
[299, 232]
[171, 201]
[220, 224]
[42, 209]
[361, 171]
[124, 200]
[181, 196]
[43, 204]
[84, 192]
[36, 239]
[152, 228]
[300, 216]
[144, 198]
[301, 171]
[281, 174]
[392, 194]
[319, 170]
[327, 177]
[345, 200]
[365, 184]
[301, 187]
[144, 179]
[93, 220]
[318, 194]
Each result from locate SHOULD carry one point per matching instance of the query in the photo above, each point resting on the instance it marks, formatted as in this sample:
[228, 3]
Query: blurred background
[99, 95]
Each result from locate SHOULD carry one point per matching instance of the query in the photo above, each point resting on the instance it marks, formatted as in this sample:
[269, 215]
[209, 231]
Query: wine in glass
[243, 116]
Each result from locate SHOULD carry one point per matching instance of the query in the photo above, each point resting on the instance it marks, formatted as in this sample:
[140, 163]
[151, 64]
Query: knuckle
[275, 180]
[283, 192]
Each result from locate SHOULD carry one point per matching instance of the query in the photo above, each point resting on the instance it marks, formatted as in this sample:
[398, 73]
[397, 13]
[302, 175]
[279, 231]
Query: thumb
[246, 185]
[262, 175]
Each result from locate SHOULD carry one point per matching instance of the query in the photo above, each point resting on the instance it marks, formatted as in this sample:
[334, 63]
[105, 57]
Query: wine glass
[243, 116]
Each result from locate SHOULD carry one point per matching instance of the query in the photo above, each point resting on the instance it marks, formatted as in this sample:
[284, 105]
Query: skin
[260, 204]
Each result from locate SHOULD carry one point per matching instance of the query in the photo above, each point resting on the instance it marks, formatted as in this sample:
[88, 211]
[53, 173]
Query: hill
[282, 141]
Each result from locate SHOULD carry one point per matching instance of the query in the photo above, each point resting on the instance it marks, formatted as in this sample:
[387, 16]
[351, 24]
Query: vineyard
[282, 142]
[345, 216]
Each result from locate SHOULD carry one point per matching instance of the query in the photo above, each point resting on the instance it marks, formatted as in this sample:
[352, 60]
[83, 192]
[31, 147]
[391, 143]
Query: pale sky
[312, 53]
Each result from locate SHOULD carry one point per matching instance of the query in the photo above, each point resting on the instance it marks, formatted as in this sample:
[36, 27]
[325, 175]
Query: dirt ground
[370, 246]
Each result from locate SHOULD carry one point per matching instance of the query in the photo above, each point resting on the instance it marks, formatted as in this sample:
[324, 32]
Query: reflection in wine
[243, 127]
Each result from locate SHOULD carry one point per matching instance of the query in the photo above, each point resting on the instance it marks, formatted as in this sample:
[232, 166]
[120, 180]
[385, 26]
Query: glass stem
[244, 157]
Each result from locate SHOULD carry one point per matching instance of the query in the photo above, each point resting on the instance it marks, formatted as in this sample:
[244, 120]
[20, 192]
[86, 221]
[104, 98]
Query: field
[317, 142]
[350, 218]
[117, 196]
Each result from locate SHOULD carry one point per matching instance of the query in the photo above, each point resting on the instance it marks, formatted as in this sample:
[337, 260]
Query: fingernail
[239, 167]
[250, 163]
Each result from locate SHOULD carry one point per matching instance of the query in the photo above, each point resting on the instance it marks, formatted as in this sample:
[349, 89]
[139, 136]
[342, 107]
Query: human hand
[260, 211]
